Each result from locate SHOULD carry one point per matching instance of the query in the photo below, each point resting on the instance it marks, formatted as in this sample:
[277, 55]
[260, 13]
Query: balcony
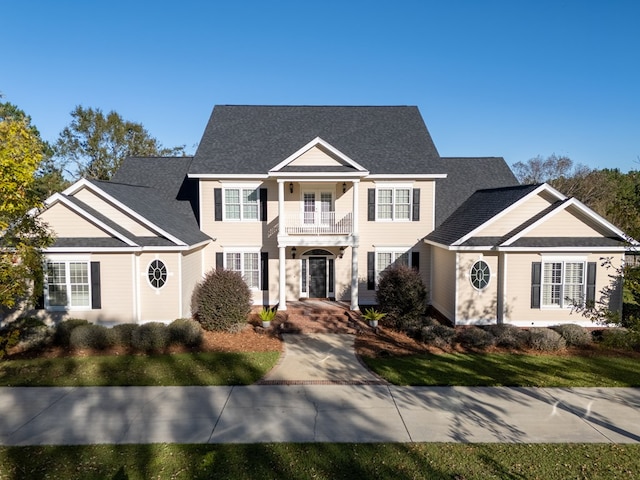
[318, 223]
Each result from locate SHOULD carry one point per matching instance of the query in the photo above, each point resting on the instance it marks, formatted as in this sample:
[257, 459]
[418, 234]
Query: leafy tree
[94, 145]
[22, 235]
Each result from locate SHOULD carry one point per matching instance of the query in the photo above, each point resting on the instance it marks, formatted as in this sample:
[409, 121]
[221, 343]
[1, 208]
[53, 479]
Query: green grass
[324, 461]
[508, 370]
[125, 370]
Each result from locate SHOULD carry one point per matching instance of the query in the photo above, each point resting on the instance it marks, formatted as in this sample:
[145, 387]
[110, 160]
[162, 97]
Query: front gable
[64, 222]
[320, 157]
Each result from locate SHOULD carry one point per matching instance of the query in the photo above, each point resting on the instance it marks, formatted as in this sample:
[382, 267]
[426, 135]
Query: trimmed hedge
[92, 336]
[150, 337]
[221, 301]
[546, 340]
[185, 331]
[475, 337]
[574, 335]
[509, 336]
[62, 335]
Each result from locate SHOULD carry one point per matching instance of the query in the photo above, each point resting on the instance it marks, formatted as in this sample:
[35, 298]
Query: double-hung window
[68, 284]
[241, 203]
[563, 283]
[388, 258]
[247, 264]
[394, 203]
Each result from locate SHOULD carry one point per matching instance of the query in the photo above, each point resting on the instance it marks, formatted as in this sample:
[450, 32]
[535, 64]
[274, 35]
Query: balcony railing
[319, 223]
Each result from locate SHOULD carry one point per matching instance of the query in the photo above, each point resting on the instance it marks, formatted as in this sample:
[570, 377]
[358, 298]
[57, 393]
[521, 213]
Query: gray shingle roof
[553, 242]
[464, 177]
[254, 139]
[479, 208]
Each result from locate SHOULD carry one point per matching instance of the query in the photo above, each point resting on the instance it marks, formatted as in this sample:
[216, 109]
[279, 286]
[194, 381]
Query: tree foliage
[22, 235]
[94, 144]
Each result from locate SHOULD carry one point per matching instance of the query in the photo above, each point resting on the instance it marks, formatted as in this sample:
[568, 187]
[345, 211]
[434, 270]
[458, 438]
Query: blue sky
[511, 78]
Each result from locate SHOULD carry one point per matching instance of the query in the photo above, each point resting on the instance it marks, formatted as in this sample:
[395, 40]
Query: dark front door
[317, 277]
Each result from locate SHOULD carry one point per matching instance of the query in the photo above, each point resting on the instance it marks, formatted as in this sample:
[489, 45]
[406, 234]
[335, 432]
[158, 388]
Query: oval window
[157, 274]
[480, 275]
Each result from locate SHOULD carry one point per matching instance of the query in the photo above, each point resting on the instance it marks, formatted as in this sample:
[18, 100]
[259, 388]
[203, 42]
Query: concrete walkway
[308, 398]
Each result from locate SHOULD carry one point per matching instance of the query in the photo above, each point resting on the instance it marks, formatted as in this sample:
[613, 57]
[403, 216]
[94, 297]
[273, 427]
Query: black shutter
[371, 204]
[591, 283]
[219, 260]
[415, 260]
[217, 200]
[264, 268]
[263, 204]
[536, 276]
[416, 205]
[371, 271]
[96, 298]
[40, 299]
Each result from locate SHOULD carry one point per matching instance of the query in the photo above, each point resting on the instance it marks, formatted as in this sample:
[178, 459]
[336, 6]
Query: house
[315, 202]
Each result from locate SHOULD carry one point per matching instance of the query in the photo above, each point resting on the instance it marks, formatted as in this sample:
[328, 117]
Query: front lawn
[501, 369]
[206, 368]
[324, 461]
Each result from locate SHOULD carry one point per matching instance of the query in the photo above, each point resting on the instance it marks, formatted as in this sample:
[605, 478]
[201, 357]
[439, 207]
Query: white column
[356, 220]
[282, 299]
[354, 277]
[281, 225]
[354, 246]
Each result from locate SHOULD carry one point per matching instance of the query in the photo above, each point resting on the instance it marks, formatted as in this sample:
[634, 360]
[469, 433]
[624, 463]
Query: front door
[317, 277]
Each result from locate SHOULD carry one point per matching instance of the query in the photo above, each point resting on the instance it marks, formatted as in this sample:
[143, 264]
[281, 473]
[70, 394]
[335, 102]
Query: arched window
[157, 274]
[480, 275]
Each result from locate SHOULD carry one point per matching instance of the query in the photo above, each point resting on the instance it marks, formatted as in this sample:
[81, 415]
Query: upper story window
[68, 285]
[241, 203]
[394, 204]
[563, 284]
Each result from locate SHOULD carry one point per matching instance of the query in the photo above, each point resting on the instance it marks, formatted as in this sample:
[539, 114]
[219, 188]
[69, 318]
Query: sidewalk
[317, 413]
[318, 392]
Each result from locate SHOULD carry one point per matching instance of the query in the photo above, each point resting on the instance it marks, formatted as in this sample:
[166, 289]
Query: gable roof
[484, 205]
[478, 209]
[243, 139]
[465, 176]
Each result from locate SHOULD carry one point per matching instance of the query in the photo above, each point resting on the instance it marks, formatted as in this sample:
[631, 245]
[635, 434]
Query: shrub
[8, 339]
[32, 332]
[63, 331]
[438, 335]
[621, 338]
[221, 300]
[474, 337]
[123, 333]
[91, 336]
[185, 331]
[402, 295]
[150, 337]
[546, 340]
[509, 336]
[573, 334]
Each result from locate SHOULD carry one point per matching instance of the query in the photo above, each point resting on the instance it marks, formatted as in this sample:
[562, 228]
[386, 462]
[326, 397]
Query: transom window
[68, 284]
[387, 259]
[563, 284]
[157, 274]
[241, 203]
[247, 264]
[480, 275]
[394, 203]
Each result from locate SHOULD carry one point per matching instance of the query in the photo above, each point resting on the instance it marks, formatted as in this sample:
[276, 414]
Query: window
[241, 203]
[68, 284]
[480, 275]
[563, 284]
[386, 259]
[247, 264]
[157, 274]
[394, 203]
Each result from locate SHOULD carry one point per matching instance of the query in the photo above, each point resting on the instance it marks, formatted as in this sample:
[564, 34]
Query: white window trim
[167, 273]
[392, 250]
[393, 186]
[490, 275]
[564, 304]
[240, 186]
[242, 251]
[66, 259]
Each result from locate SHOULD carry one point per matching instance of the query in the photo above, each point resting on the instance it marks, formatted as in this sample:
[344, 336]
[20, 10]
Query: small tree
[221, 300]
[402, 295]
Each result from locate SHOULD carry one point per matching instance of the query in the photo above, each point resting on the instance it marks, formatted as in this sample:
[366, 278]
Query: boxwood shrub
[91, 336]
[185, 331]
[546, 340]
[150, 337]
